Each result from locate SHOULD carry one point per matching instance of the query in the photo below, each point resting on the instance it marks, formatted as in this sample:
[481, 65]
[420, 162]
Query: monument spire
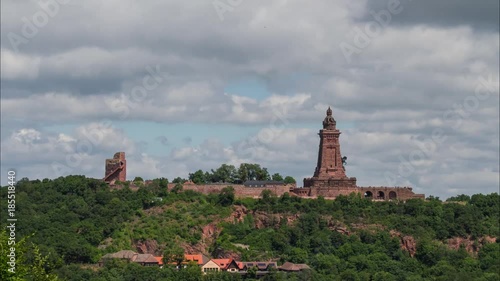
[329, 122]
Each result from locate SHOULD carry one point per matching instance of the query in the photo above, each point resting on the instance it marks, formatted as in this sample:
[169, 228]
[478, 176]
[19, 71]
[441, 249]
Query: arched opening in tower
[368, 194]
[380, 195]
[393, 195]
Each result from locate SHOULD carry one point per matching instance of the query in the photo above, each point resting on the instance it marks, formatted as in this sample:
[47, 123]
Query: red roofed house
[160, 261]
[199, 259]
[210, 266]
[228, 265]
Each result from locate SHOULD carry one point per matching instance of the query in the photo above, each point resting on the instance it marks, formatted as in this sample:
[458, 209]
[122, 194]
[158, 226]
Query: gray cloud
[481, 15]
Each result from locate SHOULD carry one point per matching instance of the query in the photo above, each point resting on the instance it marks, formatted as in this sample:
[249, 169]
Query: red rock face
[471, 245]
[116, 168]
[407, 242]
[148, 247]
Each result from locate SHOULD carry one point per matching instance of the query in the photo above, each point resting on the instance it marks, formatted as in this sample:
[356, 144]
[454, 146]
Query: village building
[229, 265]
[146, 260]
[210, 266]
[199, 259]
[293, 267]
[206, 264]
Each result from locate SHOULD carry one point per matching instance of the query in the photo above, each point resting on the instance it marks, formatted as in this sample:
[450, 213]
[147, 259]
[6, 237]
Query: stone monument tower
[330, 171]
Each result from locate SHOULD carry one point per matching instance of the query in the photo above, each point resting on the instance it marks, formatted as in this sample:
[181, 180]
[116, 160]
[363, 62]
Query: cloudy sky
[187, 85]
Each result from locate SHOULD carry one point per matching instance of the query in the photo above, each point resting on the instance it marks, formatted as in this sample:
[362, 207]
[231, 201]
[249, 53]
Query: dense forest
[65, 225]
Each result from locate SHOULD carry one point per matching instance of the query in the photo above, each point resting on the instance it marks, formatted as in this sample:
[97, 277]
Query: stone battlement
[240, 191]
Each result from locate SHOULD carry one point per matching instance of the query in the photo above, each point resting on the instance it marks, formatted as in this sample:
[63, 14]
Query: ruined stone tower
[116, 168]
[330, 171]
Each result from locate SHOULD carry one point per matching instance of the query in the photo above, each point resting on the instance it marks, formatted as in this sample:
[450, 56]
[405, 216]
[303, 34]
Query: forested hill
[65, 225]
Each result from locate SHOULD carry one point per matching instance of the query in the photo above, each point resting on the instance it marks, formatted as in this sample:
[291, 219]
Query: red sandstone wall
[332, 191]
[240, 191]
[402, 193]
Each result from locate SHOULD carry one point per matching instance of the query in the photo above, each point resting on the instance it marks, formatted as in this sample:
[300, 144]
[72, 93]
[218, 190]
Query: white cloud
[18, 66]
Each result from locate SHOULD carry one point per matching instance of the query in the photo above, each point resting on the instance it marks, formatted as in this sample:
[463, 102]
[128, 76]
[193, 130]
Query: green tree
[225, 174]
[289, 180]
[248, 171]
[252, 272]
[429, 252]
[349, 275]
[179, 180]
[162, 185]
[489, 257]
[191, 273]
[177, 188]
[383, 276]
[198, 177]
[226, 196]
[173, 254]
[268, 197]
[162, 182]
[27, 262]
[459, 198]
[277, 177]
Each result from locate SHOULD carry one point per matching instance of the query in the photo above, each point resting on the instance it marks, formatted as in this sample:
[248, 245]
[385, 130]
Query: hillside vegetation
[68, 223]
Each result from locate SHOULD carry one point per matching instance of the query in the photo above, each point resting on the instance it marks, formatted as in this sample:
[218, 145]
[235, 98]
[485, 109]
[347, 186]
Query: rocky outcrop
[261, 219]
[238, 215]
[371, 227]
[195, 249]
[226, 254]
[407, 242]
[210, 231]
[147, 247]
[470, 245]
[335, 225]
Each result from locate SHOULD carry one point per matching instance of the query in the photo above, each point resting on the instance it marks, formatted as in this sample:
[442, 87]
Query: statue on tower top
[329, 123]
